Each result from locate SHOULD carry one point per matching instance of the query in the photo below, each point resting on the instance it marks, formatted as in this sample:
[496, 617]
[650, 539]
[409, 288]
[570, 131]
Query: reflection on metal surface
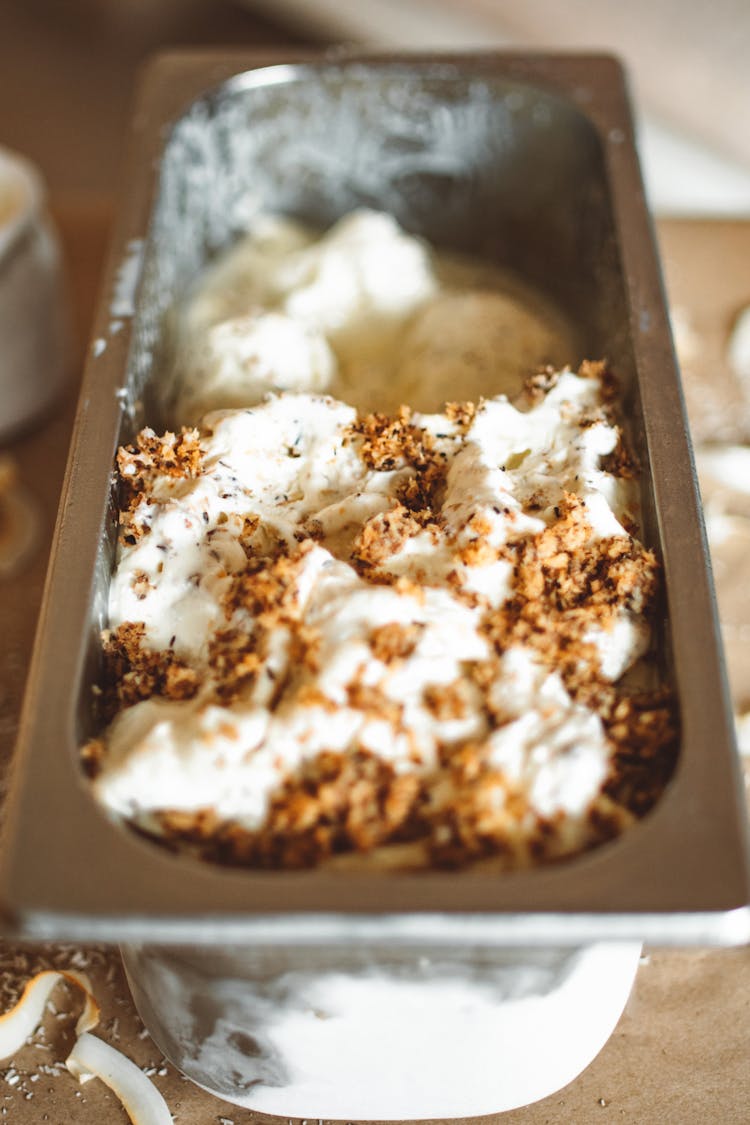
[369, 1032]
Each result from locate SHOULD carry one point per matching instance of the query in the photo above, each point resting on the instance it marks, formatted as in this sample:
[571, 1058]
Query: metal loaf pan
[529, 160]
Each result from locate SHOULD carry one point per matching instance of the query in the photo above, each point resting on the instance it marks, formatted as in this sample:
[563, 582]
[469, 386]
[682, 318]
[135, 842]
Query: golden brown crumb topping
[383, 535]
[394, 641]
[447, 701]
[462, 414]
[141, 584]
[422, 493]
[645, 732]
[538, 385]
[386, 442]
[371, 699]
[236, 658]
[267, 588]
[391, 441]
[152, 455]
[133, 672]
[565, 582]
[475, 811]
[337, 803]
[622, 461]
[334, 803]
[266, 591]
[92, 756]
[141, 464]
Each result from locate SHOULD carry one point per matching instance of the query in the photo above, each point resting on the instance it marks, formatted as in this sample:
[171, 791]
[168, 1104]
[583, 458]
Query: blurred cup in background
[34, 327]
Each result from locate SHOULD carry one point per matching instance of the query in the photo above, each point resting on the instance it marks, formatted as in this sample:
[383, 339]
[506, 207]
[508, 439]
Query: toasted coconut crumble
[237, 659]
[335, 803]
[374, 702]
[267, 587]
[382, 536]
[141, 584]
[390, 441]
[447, 701]
[538, 385]
[92, 756]
[394, 641]
[141, 464]
[171, 455]
[133, 672]
[644, 730]
[461, 413]
[422, 493]
[622, 461]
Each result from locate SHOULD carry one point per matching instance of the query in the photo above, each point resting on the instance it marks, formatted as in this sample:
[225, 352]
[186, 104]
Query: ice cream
[333, 632]
[365, 312]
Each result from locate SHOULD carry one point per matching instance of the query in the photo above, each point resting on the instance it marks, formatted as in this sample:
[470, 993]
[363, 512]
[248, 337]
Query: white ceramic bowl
[34, 338]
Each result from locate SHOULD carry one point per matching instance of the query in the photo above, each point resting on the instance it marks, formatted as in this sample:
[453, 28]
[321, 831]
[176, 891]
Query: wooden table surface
[681, 1052]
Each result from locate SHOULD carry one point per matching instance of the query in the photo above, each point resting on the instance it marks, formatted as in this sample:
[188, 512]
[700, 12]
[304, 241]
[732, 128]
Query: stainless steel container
[525, 160]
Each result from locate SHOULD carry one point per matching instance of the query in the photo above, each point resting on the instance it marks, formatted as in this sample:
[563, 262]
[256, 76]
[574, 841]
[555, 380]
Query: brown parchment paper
[681, 1052]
